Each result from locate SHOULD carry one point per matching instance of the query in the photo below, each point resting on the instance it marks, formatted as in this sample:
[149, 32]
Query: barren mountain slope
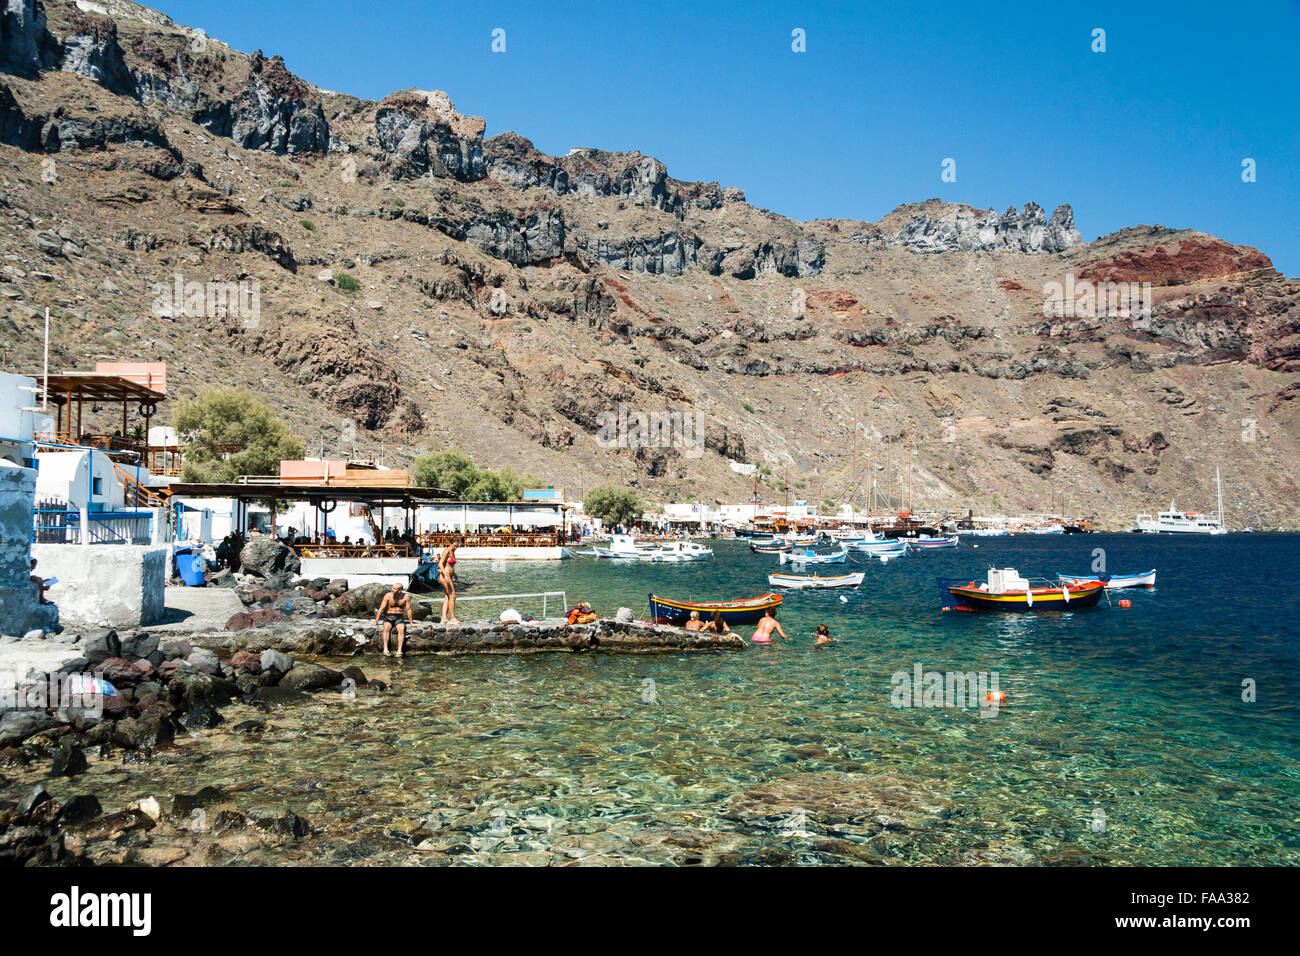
[137, 151]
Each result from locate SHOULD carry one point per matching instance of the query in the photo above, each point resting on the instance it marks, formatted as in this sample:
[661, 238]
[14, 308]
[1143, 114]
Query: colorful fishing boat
[926, 543]
[665, 611]
[1147, 579]
[813, 582]
[1006, 590]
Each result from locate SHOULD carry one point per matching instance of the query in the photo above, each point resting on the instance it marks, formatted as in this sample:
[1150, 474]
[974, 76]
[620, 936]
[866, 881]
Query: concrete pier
[343, 637]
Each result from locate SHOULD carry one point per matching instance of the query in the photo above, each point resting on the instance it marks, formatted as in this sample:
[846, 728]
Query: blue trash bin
[191, 569]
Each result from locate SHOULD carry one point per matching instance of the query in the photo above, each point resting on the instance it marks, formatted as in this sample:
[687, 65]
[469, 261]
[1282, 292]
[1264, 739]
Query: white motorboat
[677, 551]
[623, 546]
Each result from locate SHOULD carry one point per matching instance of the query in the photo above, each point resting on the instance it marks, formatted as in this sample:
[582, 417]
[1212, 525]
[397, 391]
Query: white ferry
[1174, 521]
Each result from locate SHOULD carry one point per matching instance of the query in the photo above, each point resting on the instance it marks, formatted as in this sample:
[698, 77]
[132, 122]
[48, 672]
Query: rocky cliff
[510, 299]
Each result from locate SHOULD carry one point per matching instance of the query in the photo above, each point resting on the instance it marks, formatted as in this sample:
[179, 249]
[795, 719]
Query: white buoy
[843, 599]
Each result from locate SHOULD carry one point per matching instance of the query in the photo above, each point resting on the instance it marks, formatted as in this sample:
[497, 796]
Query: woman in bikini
[447, 578]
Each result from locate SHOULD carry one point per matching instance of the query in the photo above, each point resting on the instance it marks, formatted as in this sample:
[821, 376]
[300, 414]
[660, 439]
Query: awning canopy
[98, 387]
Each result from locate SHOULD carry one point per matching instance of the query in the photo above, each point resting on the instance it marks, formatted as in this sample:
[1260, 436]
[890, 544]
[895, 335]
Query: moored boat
[770, 548]
[1147, 579]
[666, 611]
[925, 543]
[812, 582]
[679, 551]
[1006, 590]
[809, 556]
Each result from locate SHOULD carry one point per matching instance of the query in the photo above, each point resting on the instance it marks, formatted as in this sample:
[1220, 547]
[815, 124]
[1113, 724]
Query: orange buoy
[1000, 696]
[1125, 602]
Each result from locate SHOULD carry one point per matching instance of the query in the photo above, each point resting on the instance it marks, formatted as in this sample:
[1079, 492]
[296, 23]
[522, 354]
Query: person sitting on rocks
[695, 624]
[40, 584]
[395, 605]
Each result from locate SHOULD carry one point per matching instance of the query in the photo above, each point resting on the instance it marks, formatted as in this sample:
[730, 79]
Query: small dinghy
[1147, 579]
[813, 582]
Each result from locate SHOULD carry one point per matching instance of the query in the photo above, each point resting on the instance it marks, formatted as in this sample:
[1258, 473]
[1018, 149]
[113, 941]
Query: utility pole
[45, 388]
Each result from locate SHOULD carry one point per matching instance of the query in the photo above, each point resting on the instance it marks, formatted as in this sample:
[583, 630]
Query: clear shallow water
[788, 753]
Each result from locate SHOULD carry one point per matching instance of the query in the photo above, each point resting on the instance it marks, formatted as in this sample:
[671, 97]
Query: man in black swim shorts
[395, 609]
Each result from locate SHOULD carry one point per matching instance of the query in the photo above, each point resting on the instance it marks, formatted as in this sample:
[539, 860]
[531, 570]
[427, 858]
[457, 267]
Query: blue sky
[1153, 130]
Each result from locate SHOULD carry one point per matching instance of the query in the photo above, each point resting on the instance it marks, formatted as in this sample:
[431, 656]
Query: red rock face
[1193, 259]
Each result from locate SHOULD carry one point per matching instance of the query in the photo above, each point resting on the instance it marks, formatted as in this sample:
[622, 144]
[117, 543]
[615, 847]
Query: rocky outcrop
[26, 46]
[86, 132]
[92, 50]
[271, 112]
[250, 237]
[960, 229]
[537, 237]
[18, 129]
[669, 253]
[422, 134]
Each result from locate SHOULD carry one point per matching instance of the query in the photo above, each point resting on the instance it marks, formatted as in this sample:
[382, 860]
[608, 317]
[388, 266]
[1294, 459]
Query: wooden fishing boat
[809, 556]
[925, 543]
[773, 548]
[813, 582]
[666, 611]
[1147, 579]
[1006, 590]
[890, 548]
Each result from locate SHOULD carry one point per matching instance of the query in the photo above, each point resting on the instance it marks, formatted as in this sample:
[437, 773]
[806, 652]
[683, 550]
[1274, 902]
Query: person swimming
[768, 624]
[824, 636]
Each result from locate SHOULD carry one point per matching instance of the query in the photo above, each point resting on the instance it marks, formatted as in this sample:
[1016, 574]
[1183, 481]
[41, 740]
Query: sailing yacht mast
[1219, 488]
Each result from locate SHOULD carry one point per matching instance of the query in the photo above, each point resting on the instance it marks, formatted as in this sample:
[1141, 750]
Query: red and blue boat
[1006, 590]
[666, 611]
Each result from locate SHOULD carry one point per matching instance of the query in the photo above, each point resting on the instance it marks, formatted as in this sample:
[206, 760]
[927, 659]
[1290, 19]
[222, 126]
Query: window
[96, 487]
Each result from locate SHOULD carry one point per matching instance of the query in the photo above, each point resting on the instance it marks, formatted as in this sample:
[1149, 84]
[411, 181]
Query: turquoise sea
[1125, 738]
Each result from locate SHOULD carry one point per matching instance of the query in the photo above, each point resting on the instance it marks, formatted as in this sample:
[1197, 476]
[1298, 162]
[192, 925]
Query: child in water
[824, 636]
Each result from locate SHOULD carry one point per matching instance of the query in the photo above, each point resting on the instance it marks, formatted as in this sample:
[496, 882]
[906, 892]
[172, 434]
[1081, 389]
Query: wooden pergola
[69, 391]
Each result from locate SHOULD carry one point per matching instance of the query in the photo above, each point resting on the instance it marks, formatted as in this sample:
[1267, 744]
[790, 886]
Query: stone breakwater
[344, 638]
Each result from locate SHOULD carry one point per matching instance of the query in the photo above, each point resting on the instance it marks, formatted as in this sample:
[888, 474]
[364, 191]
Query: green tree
[613, 505]
[226, 433]
[455, 472]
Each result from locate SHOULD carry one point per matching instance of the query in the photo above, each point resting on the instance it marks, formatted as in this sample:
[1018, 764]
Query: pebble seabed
[223, 705]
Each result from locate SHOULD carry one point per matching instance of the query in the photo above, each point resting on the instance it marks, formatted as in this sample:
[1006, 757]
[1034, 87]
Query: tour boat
[1147, 579]
[678, 551]
[815, 582]
[665, 611]
[1174, 521]
[1006, 590]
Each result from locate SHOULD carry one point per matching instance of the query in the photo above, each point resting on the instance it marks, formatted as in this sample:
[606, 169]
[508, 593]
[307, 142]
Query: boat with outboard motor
[1006, 590]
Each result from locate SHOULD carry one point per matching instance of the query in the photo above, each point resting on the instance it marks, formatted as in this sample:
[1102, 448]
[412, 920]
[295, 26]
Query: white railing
[544, 595]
